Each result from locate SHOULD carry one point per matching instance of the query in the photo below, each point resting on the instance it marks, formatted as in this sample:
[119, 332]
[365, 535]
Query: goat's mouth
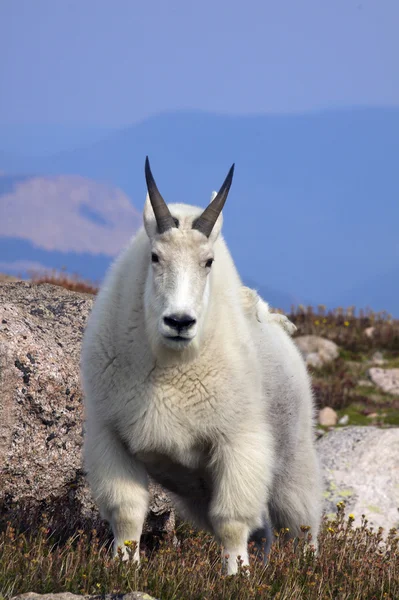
[177, 341]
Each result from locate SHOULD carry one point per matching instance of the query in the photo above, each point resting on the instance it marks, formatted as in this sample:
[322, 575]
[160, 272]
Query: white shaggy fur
[222, 418]
[255, 307]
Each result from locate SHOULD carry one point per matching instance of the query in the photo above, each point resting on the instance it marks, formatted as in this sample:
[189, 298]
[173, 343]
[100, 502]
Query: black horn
[205, 223]
[162, 214]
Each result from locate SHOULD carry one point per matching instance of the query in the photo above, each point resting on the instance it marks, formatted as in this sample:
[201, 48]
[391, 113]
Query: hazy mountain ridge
[66, 214]
[41, 139]
[313, 208]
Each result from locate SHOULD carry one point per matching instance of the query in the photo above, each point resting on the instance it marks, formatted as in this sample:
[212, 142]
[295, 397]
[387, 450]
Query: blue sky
[116, 62]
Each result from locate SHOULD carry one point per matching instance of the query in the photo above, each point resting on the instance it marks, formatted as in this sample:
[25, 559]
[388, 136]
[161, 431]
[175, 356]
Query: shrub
[352, 564]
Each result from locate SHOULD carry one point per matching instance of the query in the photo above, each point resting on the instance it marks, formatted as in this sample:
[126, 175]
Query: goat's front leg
[241, 469]
[119, 485]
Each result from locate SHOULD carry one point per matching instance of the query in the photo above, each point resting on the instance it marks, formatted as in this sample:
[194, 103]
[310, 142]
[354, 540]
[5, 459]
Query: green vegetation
[352, 564]
[343, 384]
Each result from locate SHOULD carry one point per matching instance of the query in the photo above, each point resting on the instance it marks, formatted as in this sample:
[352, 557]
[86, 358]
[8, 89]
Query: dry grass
[71, 282]
[346, 327]
[352, 564]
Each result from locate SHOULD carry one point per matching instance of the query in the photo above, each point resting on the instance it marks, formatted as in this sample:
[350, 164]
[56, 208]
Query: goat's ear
[150, 223]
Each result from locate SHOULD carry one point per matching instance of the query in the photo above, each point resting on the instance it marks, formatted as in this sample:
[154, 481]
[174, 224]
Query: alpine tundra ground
[352, 564]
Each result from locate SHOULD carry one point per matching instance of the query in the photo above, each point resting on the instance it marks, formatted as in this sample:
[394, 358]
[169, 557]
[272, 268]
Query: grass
[352, 564]
[71, 282]
[344, 386]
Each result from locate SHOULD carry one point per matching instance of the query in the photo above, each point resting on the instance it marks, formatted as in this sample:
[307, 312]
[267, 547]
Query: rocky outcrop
[385, 379]
[360, 466]
[317, 351]
[41, 411]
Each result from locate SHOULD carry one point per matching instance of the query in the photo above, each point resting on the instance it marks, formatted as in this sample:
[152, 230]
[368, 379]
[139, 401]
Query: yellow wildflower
[346, 323]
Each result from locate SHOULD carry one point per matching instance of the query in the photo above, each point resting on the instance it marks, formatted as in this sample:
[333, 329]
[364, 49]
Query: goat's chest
[172, 407]
[188, 395]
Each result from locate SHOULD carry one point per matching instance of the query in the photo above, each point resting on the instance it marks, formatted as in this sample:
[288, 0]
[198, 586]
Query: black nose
[179, 322]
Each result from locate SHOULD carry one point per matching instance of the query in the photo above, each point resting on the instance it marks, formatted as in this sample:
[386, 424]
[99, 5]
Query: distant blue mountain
[37, 140]
[313, 209]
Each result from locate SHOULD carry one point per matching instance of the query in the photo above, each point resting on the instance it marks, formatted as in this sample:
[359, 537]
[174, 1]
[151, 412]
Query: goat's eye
[154, 257]
[209, 262]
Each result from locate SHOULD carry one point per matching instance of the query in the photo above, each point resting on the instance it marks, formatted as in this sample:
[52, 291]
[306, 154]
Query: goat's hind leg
[195, 510]
[295, 504]
[262, 539]
[119, 485]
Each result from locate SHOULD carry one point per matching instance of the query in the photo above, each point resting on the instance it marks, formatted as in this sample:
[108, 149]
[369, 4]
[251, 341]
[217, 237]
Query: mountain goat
[254, 306]
[184, 384]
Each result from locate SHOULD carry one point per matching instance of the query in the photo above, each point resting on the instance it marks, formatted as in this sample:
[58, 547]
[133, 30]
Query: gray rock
[365, 383]
[313, 359]
[369, 332]
[360, 466]
[69, 596]
[328, 417]
[317, 351]
[378, 358]
[386, 379]
[41, 412]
